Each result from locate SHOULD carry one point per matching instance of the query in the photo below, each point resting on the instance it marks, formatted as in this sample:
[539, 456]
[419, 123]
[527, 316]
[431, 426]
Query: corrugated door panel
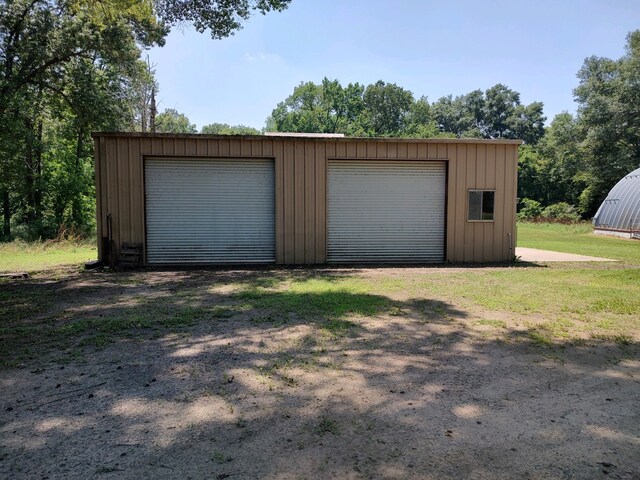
[207, 211]
[382, 211]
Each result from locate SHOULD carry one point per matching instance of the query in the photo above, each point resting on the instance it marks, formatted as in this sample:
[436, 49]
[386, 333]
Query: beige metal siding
[301, 186]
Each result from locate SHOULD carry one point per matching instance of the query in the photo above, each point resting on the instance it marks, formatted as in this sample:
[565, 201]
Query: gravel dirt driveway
[231, 387]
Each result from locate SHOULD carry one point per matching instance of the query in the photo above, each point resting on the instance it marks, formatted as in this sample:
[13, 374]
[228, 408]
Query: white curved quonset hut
[619, 214]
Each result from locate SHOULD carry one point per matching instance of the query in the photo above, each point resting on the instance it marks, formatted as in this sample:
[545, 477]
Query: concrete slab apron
[535, 255]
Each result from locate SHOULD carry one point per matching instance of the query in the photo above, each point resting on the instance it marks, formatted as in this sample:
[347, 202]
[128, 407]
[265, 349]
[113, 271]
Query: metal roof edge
[497, 141]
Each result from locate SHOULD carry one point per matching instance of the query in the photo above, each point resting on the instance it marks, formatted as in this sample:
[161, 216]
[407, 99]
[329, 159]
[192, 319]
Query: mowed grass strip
[317, 296]
[38, 256]
[579, 239]
[596, 302]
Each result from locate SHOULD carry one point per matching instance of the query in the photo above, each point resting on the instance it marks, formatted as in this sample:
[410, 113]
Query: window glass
[481, 205]
[475, 205]
[487, 205]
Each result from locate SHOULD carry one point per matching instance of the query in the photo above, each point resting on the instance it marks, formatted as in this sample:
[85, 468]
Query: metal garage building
[619, 214]
[202, 199]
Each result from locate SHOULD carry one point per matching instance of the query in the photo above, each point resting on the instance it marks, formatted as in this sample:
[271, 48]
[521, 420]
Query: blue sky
[432, 48]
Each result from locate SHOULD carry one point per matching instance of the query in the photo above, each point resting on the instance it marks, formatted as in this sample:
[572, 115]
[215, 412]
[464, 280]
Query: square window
[481, 205]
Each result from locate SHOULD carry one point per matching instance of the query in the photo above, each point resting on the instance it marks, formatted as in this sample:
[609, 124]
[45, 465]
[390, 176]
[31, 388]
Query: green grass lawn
[38, 256]
[558, 302]
[577, 239]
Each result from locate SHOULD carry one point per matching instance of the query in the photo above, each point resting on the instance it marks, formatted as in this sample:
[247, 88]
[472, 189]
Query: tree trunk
[76, 207]
[79, 146]
[6, 210]
[37, 194]
[152, 111]
[29, 177]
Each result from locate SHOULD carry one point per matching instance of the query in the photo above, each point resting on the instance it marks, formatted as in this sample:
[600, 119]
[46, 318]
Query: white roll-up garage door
[386, 211]
[206, 211]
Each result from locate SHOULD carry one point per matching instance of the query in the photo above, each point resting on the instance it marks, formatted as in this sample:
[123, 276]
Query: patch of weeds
[554, 357]
[219, 457]
[9, 363]
[578, 342]
[185, 317]
[430, 309]
[338, 327]
[309, 341]
[241, 423]
[271, 318]
[491, 323]
[104, 325]
[326, 425]
[18, 330]
[559, 327]
[75, 328]
[189, 294]
[185, 398]
[619, 338]
[330, 365]
[271, 369]
[539, 339]
[607, 324]
[222, 312]
[120, 324]
[100, 340]
[265, 282]
[397, 311]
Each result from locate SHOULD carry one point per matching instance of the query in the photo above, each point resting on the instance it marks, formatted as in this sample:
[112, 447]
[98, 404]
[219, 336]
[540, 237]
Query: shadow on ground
[296, 374]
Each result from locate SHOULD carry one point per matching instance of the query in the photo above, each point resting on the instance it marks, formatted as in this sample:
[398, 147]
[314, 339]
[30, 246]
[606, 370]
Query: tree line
[388, 110]
[70, 67]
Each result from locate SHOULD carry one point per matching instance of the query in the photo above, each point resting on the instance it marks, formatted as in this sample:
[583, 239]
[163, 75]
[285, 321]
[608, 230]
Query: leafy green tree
[342, 107]
[609, 116]
[380, 109]
[221, 18]
[527, 123]
[563, 165]
[461, 116]
[532, 183]
[499, 108]
[225, 129]
[420, 123]
[171, 121]
[300, 112]
[44, 45]
[324, 108]
[495, 113]
[387, 108]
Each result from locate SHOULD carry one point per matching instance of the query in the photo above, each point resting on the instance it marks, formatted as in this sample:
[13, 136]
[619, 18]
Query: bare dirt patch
[296, 375]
